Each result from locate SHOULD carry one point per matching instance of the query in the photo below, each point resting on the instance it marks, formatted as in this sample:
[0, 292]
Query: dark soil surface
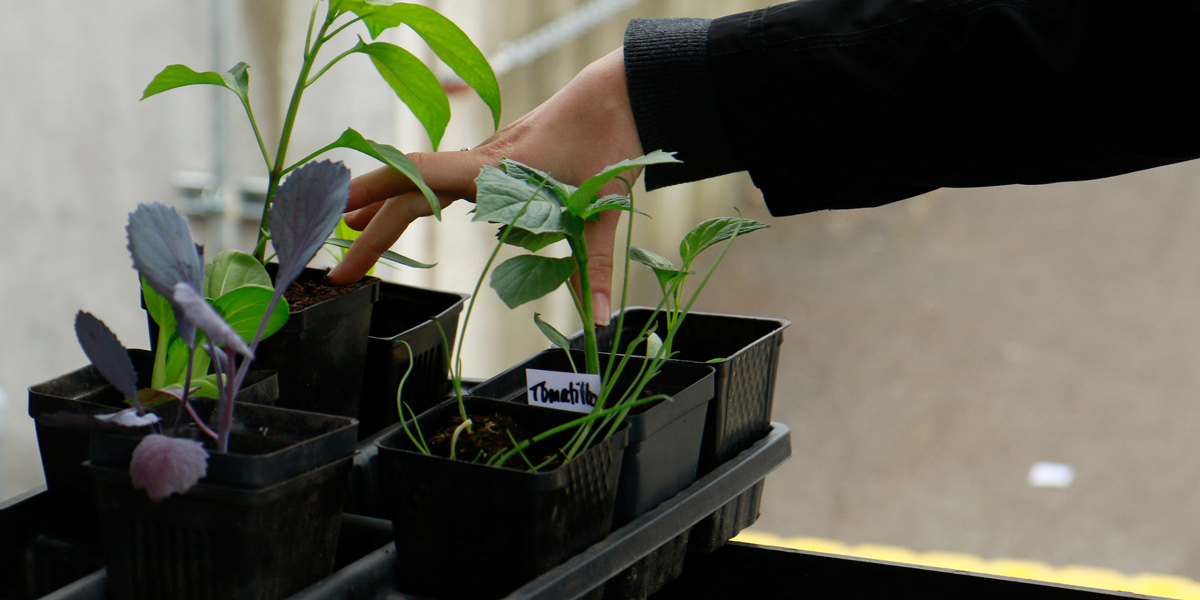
[310, 290]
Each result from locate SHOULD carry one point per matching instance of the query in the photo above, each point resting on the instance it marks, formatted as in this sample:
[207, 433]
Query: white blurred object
[1051, 475]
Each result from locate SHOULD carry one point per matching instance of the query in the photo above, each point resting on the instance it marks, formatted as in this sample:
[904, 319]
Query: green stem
[343, 26]
[456, 366]
[576, 423]
[586, 310]
[262, 145]
[289, 122]
[331, 63]
[465, 425]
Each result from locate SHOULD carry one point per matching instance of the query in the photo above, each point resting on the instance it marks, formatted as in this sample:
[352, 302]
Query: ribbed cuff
[673, 99]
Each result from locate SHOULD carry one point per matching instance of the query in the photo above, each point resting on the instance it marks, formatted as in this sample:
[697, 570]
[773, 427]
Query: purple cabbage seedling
[312, 200]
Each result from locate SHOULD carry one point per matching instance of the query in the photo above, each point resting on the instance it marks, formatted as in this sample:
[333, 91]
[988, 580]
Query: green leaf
[232, 269]
[158, 307]
[177, 359]
[447, 41]
[500, 198]
[243, 308]
[663, 269]
[414, 84]
[714, 231]
[387, 255]
[583, 197]
[236, 79]
[530, 241]
[610, 202]
[389, 156]
[150, 398]
[555, 336]
[529, 277]
[518, 170]
[164, 316]
[359, 7]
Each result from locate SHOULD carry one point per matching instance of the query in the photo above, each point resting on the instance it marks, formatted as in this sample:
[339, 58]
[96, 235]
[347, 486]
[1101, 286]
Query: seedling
[410, 79]
[240, 289]
[676, 303]
[537, 211]
[312, 200]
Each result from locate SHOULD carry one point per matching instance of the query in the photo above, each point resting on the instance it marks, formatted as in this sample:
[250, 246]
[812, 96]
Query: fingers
[601, 239]
[359, 219]
[446, 173]
[384, 202]
[391, 219]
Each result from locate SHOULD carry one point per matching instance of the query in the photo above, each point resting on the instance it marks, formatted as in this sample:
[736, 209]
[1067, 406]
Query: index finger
[446, 173]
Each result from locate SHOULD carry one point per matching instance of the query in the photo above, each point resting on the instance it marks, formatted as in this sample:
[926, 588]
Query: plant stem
[465, 425]
[289, 121]
[586, 310]
[456, 367]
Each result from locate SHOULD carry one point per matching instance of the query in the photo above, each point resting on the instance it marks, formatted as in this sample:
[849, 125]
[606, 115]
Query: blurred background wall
[939, 347]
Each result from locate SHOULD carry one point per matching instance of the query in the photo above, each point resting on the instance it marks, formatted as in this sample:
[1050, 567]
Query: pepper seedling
[409, 78]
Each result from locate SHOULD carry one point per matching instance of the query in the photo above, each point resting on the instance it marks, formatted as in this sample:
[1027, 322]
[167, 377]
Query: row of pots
[200, 544]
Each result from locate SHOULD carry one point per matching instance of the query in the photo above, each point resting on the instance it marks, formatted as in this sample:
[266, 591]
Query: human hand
[586, 126]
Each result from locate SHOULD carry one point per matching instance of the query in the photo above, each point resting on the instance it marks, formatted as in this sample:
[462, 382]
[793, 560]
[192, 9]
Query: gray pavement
[941, 346]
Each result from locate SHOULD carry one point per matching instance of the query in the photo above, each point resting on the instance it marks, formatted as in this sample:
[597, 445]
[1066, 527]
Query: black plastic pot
[740, 413]
[586, 572]
[321, 351]
[63, 407]
[427, 320]
[467, 530]
[45, 544]
[262, 524]
[661, 458]
[664, 440]
[358, 538]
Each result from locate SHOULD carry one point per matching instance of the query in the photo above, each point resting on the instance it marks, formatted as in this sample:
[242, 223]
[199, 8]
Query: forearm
[847, 103]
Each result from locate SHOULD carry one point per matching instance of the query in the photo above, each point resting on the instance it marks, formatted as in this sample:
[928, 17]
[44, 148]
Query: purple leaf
[164, 465]
[197, 311]
[162, 248]
[164, 254]
[107, 354]
[306, 209]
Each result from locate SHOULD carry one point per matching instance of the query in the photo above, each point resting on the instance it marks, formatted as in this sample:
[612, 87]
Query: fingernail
[601, 309]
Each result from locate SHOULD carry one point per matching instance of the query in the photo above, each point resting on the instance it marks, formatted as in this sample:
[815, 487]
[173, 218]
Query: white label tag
[576, 392]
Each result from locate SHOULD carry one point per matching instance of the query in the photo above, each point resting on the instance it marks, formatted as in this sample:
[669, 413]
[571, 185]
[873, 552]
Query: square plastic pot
[45, 544]
[425, 320]
[63, 407]
[740, 413]
[321, 351]
[261, 525]
[664, 440]
[660, 461]
[466, 530]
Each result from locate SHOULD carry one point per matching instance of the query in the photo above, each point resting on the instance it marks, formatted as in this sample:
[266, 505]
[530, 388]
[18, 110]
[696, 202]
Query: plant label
[576, 392]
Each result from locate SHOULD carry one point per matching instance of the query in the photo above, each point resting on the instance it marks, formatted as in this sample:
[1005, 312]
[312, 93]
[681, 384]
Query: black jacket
[854, 103]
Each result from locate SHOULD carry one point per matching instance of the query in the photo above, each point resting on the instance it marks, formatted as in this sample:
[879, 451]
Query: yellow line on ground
[1167, 586]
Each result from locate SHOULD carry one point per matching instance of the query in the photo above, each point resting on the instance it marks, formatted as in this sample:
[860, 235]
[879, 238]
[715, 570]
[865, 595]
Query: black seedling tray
[371, 577]
[358, 536]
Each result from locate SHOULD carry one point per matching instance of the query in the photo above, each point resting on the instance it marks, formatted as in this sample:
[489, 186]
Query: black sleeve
[854, 103]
